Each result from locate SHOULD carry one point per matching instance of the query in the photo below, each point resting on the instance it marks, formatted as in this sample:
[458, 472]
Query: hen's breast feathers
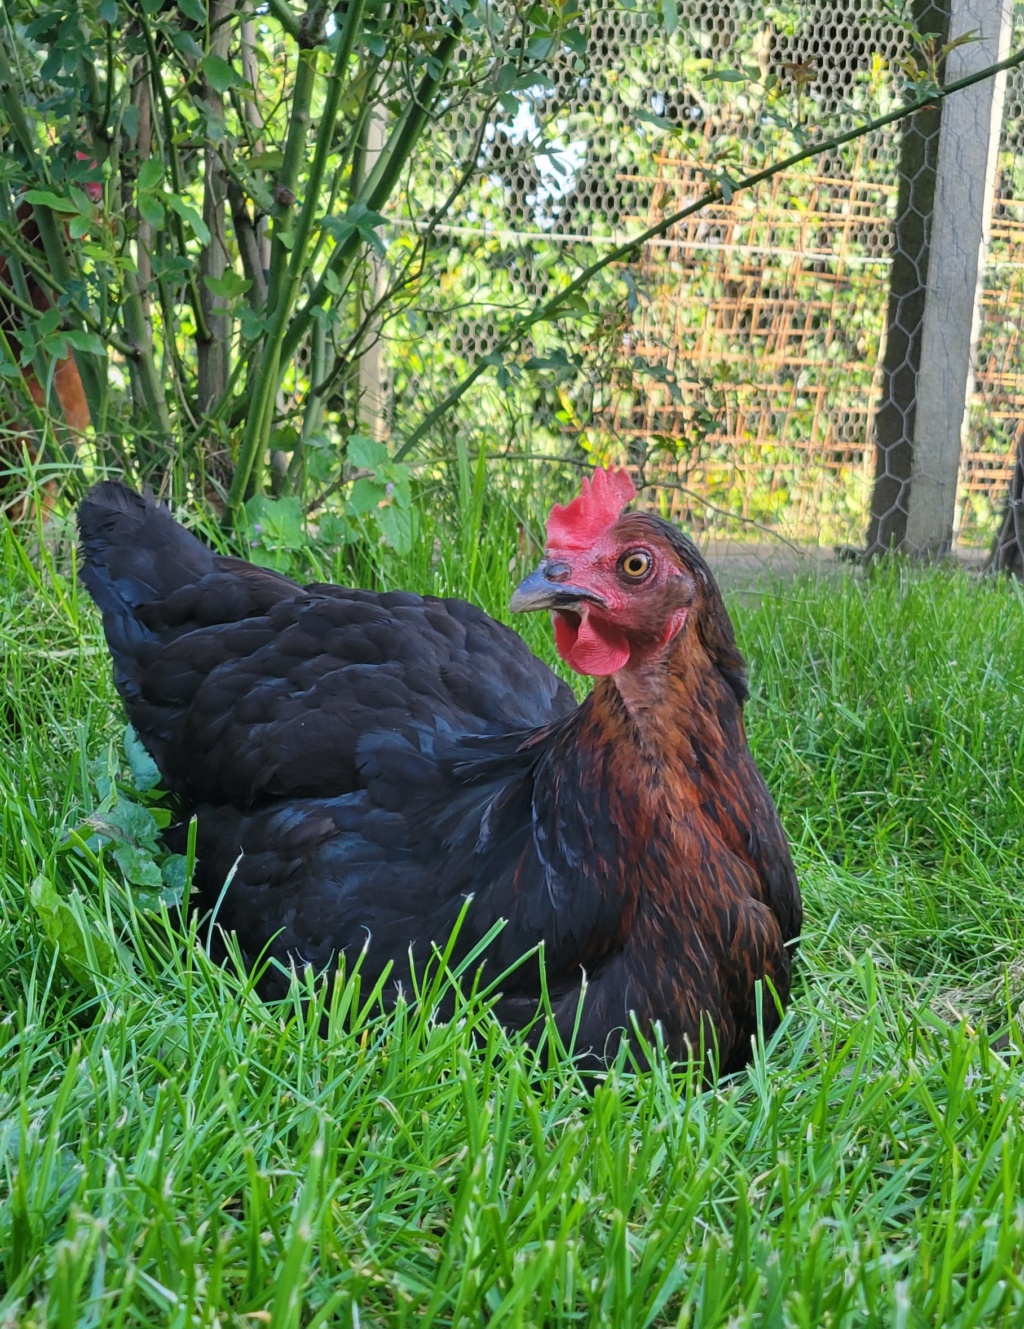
[675, 825]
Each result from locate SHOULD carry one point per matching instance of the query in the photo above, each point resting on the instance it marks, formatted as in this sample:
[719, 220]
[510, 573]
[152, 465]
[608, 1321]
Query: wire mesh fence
[765, 358]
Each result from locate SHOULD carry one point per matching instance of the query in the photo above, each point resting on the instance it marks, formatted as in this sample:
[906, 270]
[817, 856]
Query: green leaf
[275, 524]
[366, 496]
[229, 286]
[108, 14]
[556, 359]
[251, 326]
[266, 161]
[144, 772]
[46, 26]
[174, 871]
[83, 203]
[127, 823]
[187, 45]
[575, 304]
[193, 9]
[89, 342]
[221, 75]
[83, 950]
[658, 121]
[333, 531]
[151, 210]
[505, 78]
[285, 438]
[366, 453]
[358, 218]
[396, 526]
[137, 865]
[47, 324]
[267, 558]
[151, 172]
[79, 226]
[540, 49]
[374, 241]
[362, 215]
[402, 485]
[670, 16]
[188, 213]
[50, 200]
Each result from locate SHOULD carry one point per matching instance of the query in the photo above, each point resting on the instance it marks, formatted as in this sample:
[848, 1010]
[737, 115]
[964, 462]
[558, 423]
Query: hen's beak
[549, 588]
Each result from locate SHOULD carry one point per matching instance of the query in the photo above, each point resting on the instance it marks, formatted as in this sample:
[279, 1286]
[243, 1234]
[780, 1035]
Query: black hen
[364, 763]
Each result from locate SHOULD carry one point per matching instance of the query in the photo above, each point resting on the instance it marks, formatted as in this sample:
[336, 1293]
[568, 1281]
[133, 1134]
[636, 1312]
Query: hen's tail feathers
[156, 583]
[148, 574]
[134, 552]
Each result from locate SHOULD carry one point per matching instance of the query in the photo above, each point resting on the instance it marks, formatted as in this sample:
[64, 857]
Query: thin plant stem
[174, 164]
[138, 329]
[383, 178]
[283, 293]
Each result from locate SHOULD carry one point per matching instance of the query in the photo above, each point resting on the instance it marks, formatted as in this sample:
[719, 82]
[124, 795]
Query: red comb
[578, 524]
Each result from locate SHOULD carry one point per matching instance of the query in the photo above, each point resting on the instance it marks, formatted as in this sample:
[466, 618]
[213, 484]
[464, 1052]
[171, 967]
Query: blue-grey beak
[549, 588]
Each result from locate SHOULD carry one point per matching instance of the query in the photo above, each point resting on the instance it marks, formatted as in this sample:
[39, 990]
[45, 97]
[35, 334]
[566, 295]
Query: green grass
[172, 1151]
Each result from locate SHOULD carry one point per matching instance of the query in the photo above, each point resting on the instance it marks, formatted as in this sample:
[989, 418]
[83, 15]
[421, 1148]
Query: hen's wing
[247, 688]
[390, 866]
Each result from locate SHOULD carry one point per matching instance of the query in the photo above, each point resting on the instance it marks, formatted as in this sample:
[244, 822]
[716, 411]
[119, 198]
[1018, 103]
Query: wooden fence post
[968, 149]
[371, 365]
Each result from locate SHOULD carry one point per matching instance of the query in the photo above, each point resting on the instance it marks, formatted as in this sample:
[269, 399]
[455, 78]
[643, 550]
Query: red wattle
[591, 648]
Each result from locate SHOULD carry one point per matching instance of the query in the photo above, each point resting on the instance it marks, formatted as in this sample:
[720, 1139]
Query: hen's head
[625, 588]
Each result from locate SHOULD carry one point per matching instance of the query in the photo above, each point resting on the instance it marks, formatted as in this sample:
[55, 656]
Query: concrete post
[968, 148]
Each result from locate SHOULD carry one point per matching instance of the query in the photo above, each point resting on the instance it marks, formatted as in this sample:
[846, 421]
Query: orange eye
[636, 564]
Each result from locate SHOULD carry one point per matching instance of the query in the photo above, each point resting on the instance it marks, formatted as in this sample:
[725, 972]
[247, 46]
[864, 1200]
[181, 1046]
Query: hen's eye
[636, 563]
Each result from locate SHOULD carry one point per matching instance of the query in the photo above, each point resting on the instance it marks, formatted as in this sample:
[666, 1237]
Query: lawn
[175, 1152]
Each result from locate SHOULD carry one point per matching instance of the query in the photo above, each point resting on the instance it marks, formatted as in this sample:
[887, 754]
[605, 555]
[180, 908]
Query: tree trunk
[1008, 548]
[894, 422]
[214, 349]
